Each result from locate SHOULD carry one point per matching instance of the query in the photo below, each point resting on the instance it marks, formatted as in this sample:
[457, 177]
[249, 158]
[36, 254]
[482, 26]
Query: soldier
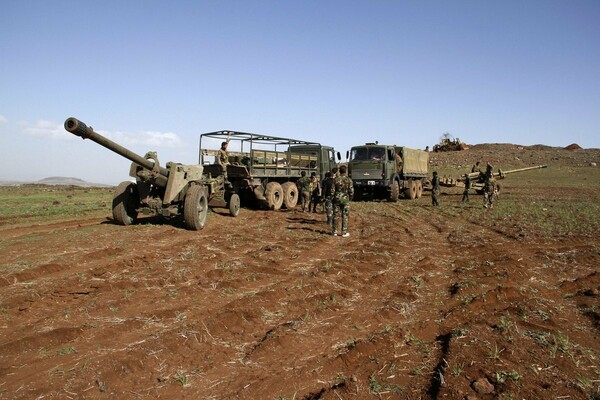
[489, 188]
[304, 189]
[222, 159]
[315, 192]
[344, 190]
[475, 167]
[435, 192]
[465, 198]
[328, 192]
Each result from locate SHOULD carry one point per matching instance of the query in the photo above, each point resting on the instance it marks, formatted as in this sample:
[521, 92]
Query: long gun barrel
[478, 177]
[78, 128]
[501, 173]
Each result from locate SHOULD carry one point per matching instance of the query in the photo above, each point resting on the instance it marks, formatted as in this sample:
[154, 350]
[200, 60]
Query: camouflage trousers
[465, 197]
[304, 200]
[315, 199]
[488, 198]
[328, 204]
[434, 197]
[343, 211]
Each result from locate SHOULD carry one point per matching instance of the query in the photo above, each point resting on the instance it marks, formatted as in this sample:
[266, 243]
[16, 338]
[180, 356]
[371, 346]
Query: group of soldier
[335, 191]
[490, 188]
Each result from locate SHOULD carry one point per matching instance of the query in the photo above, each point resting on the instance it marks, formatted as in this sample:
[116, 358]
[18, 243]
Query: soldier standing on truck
[304, 189]
[328, 192]
[315, 192]
[435, 192]
[223, 159]
[344, 190]
[465, 198]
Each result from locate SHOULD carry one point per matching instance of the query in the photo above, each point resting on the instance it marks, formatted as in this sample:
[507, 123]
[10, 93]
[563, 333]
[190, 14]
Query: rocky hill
[509, 156]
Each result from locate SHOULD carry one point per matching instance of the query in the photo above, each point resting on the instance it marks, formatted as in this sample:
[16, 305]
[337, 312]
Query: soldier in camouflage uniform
[304, 189]
[435, 191]
[328, 192]
[222, 159]
[315, 192]
[344, 190]
[465, 198]
[489, 188]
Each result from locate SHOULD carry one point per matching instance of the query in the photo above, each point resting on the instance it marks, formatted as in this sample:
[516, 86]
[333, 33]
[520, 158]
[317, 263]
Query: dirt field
[454, 302]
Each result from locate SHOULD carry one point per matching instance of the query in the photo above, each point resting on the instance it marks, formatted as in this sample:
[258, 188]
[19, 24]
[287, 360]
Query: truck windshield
[367, 153]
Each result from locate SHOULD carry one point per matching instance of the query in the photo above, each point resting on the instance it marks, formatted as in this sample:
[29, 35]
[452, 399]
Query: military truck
[386, 172]
[263, 169]
[176, 190]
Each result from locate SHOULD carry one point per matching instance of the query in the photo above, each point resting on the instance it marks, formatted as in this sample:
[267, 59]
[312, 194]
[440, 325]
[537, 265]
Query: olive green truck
[387, 171]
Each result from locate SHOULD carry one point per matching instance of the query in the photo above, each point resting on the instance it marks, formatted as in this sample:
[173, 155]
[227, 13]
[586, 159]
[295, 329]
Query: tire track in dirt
[243, 315]
[331, 349]
[16, 232]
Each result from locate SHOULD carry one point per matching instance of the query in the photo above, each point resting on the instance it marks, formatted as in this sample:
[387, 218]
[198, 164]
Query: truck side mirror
[347, 154]
[339, 156]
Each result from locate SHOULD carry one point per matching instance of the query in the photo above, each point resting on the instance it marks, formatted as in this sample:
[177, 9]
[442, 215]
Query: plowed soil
[418, 303]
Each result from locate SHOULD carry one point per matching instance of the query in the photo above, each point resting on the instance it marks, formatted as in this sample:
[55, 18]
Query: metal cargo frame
[282, 149]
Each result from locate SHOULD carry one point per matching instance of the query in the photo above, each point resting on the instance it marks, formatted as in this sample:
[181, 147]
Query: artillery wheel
[395, 191]
[411, 191]
[290, 195]
[195, 207]
[234, 205]
[419, 189]
[125, 202]
[274, 195]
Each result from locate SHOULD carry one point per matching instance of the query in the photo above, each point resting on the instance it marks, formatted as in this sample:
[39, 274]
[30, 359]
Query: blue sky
[153, 75]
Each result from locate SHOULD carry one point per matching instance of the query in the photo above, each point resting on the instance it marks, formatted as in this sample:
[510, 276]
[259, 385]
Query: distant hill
[56, 180]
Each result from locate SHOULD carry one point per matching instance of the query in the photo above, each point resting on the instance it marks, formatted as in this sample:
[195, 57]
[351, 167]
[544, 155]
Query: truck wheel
[125, 202]
[411, 191]
[290, 195]
[395, 191]
[419, 189]
[274, 195]
[195, 207]
[234, 205]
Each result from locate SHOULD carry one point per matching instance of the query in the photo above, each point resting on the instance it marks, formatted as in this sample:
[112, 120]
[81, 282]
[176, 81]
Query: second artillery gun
[177, 190]
[478, 178]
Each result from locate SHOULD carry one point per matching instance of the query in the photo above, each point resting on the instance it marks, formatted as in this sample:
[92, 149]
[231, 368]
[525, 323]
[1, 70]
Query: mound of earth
[573, 146]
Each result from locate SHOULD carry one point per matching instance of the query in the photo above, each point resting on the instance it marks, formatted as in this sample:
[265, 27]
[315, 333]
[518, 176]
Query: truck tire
[125, 202]
[234, 205]
[411, 191]
[274, 195]
[394, 192]
[419, 188]
[195, 207]
[290, 195]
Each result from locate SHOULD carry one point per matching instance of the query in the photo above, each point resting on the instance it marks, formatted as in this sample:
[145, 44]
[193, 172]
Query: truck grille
[366, 174]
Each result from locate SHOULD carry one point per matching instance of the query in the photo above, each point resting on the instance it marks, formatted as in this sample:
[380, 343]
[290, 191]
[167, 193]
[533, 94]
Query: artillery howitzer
[177, 190]
[477, 178]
